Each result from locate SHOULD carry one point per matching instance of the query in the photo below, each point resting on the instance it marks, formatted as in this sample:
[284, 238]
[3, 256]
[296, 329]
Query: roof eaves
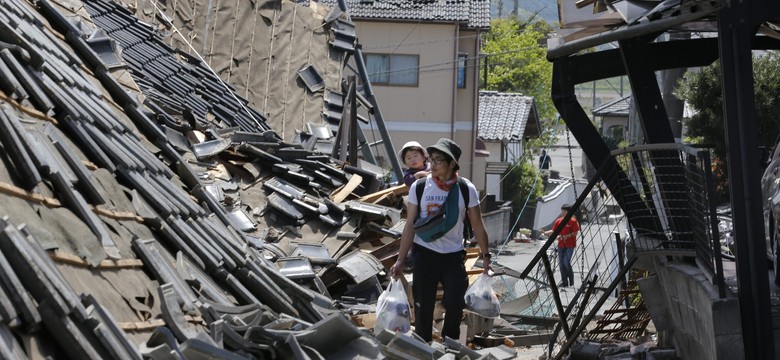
[693, 10]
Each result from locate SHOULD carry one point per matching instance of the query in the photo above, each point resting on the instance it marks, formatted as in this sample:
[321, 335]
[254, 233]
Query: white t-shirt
[432, 199]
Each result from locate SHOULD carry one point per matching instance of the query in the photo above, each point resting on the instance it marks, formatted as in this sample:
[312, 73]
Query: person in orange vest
[567, 241]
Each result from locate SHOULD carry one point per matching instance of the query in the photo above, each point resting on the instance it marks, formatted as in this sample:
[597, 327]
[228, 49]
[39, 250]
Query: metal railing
[657, 201]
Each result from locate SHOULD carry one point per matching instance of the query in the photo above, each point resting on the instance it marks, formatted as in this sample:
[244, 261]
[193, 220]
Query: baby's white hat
[411, 145]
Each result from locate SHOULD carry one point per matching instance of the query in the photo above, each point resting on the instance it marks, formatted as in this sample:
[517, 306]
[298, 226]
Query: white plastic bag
[392, 309]
[481, 299]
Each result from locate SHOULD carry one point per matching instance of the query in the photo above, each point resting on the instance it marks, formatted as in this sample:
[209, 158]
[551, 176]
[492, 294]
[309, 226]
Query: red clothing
[567, 238]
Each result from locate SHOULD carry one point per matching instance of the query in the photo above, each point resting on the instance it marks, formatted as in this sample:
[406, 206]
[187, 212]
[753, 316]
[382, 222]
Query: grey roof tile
[475, 13]
[613, 108]
[504, 115]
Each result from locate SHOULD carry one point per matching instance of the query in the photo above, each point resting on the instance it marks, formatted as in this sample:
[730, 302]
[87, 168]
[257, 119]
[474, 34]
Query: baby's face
[414, 159]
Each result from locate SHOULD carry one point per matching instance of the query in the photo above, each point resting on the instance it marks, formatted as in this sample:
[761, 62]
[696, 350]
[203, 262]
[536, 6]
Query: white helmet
[411, 145]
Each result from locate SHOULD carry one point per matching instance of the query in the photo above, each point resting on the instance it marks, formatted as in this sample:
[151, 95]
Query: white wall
[431, 100]
[549, 207]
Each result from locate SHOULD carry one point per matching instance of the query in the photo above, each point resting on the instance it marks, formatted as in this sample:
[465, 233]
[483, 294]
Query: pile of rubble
[149, 212]
[640, 348]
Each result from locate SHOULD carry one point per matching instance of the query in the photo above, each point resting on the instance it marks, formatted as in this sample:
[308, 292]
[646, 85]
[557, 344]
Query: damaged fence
[665, 211]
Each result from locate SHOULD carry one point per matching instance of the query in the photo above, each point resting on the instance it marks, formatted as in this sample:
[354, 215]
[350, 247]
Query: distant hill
[546, 9]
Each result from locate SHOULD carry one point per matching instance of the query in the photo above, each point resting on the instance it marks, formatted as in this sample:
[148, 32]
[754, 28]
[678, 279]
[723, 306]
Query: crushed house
[168, 189]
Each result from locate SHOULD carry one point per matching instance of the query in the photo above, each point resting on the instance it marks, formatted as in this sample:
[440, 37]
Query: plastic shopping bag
[481, 299]
[392, 309]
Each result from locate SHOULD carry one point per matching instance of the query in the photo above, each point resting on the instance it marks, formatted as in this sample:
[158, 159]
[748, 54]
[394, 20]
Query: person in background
[544, 161]
[415, 158]
[440, 260]
[567, 241]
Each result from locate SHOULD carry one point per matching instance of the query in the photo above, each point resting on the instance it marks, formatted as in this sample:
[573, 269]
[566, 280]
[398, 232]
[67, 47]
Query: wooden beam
[396, 190]
[66, 258]
[341, 194]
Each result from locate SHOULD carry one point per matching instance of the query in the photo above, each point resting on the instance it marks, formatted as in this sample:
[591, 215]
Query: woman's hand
[486, 268]
[397, 270]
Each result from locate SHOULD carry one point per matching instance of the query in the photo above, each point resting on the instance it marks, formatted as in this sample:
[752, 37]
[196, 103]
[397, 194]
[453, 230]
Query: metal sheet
[295, 268]
[316, 253]
[241, 220]
[321, 131]
[360, 266]
[311, 78]
[210, 148]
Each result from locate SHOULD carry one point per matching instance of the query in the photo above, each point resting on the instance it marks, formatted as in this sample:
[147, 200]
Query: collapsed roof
[151, 209]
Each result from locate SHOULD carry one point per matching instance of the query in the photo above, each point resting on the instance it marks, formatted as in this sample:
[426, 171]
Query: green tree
[517, 61]
[701, 89]
[523, 179]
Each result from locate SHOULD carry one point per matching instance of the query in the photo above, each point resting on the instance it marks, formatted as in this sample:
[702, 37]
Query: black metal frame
[691, 179]
[738, 23]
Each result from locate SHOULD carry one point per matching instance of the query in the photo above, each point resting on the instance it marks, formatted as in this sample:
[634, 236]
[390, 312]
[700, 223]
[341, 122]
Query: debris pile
[149, 212]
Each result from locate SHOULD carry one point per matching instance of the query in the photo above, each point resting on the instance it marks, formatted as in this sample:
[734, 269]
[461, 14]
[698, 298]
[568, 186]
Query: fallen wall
[497, 224]
[683, 301]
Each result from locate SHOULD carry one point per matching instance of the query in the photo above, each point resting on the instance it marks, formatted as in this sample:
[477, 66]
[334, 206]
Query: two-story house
[423, 62]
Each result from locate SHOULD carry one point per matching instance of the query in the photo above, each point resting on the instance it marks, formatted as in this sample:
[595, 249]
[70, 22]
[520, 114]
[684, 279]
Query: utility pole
[485, 72]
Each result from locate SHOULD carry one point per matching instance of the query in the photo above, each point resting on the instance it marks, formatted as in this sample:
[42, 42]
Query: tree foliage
[517, 62]
[702, 91]
[522, 180]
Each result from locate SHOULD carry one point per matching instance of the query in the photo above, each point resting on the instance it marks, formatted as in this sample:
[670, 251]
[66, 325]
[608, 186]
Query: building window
[462, 70]
[392, 69]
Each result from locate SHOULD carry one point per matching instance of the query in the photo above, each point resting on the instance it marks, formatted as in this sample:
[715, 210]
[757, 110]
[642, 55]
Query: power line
[423, 42]
[479, 56]
[536, 180]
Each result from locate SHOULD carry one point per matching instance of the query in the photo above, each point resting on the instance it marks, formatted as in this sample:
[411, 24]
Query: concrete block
[662, 354]
[585, 350]
[726, 319]
[705, 326]
[614, 349]
[655, 300]
[728, 347]
[689, 348]
[621, 356]
[686, 313]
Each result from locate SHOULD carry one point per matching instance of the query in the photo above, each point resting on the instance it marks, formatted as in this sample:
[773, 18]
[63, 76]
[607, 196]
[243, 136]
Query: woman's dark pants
[431, 268]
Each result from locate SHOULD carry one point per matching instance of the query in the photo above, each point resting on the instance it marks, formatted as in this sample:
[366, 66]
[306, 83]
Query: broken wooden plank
[155, 323]
[14, 190]
[28, 110]
[396, 190]
[117, 215]
[66, 258]
[341, 194]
